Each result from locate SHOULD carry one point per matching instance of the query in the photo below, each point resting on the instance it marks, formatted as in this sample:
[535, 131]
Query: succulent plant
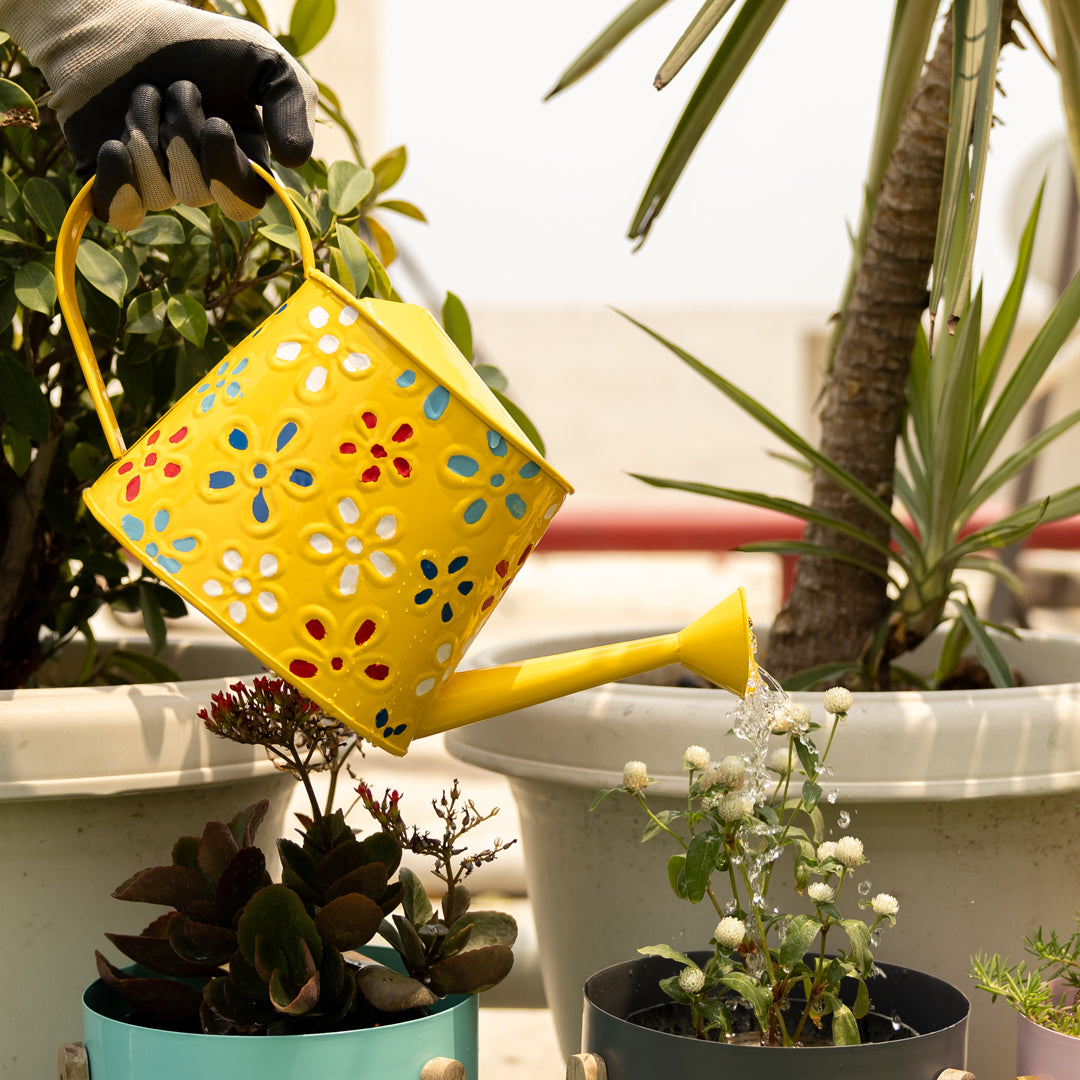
[240, 954]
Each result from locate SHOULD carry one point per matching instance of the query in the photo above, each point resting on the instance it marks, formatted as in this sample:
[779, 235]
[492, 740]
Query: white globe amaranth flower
[784, 718]
[635, 775]
[884, 905]
[696, 758]
[801, 715]
[730, 772]
[729, 932]
[780, 760]
[819, 892]
[733, 806]
[837, 699]
[692, 980]
[849, 851]
[826, 850]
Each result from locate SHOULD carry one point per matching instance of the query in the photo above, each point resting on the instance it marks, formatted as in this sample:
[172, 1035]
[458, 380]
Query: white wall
[529, 202]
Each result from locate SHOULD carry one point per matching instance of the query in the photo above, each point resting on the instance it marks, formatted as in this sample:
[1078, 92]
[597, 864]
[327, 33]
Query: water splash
[843, 819]
[864, 888]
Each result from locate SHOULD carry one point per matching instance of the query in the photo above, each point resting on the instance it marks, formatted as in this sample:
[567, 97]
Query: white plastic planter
[96, 784]
[967, 803]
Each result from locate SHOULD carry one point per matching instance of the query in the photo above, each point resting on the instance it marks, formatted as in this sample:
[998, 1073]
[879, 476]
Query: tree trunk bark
[834, 607]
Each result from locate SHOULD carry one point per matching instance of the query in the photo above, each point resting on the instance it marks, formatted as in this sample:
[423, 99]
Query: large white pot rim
[896, 746]
[111, 740]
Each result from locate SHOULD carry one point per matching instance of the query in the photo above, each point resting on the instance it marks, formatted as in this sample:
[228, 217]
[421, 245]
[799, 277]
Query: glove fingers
[116, 193]
[287, 96]
[141, 137]
[232, 181]
[181, 134]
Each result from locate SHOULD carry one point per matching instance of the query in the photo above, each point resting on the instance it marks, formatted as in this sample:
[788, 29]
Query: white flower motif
[635, 775]
[692, 980]
[238, 580]
[884, 905]
[729, 932]
[849, 851]
[837, 699]
[353, 545]
[780, 760]
[826, 850]
[696, 758]
[819, 892]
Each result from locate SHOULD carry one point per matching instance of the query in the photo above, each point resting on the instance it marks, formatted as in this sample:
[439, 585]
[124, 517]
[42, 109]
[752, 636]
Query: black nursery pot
[936, 1010]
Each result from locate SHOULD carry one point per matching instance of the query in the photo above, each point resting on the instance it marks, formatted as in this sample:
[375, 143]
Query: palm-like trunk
[834, 607]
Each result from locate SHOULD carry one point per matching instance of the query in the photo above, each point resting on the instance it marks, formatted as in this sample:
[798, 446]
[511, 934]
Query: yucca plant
[912, 257]
[961, 406]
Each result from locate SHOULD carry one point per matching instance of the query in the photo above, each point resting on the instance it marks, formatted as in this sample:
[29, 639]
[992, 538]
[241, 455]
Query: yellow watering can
[345, 497]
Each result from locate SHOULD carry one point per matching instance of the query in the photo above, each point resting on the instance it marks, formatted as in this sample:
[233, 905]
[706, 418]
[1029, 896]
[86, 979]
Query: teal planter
[118, 1050]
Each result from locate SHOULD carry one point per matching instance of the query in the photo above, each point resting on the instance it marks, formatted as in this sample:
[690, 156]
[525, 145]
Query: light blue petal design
[516, 505]
[132, 526]
[170, 564]
[152, 550]
[242, 364]
[498, 480]
[497, 444]
[161, 520]
[186, 543]
[286, 434]
[435, 403]
[475, 511]
[406, 379]
[463, 465]
[528, 470]
[232, 390]
[207, 403]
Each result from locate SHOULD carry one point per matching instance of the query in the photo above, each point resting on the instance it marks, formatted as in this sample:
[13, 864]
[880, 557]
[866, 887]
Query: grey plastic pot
[934, 1008]
[118, 1050]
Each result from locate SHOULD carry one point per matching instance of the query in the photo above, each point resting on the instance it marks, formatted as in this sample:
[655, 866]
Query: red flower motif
[150, 461]
[401, 465]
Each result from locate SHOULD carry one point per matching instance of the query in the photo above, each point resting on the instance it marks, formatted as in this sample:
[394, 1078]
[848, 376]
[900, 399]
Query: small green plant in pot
[1048, 992]
[276, 957]
[770, 979]
[743, 814]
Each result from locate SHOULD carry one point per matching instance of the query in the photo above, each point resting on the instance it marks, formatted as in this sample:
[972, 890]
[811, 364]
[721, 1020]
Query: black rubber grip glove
[166, 103]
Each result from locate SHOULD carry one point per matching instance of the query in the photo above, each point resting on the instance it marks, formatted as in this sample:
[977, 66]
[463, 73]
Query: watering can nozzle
[719, 646]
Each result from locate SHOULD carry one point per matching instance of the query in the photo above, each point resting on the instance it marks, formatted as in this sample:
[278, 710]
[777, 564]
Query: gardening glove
[162, 101]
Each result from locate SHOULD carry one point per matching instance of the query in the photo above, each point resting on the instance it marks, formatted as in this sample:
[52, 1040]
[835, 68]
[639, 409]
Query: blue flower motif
[461, 587]
[224, 478]
[134, 528]
[465, 466]
[222, 381]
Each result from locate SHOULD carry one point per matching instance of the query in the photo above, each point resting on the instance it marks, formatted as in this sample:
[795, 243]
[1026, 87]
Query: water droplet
[864, 888]
[833, 796]
[843, 819]
[731, 907]
[895, 1022]
[875, 938]
[758, 900]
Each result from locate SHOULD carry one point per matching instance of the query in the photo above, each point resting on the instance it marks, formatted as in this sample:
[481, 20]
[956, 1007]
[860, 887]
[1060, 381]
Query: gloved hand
[162, 101]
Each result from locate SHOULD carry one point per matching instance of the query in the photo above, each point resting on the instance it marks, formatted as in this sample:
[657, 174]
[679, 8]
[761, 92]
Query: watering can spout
[719, 646]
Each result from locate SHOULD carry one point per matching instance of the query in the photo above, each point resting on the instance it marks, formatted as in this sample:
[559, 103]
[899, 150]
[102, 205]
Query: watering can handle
[67, 246]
